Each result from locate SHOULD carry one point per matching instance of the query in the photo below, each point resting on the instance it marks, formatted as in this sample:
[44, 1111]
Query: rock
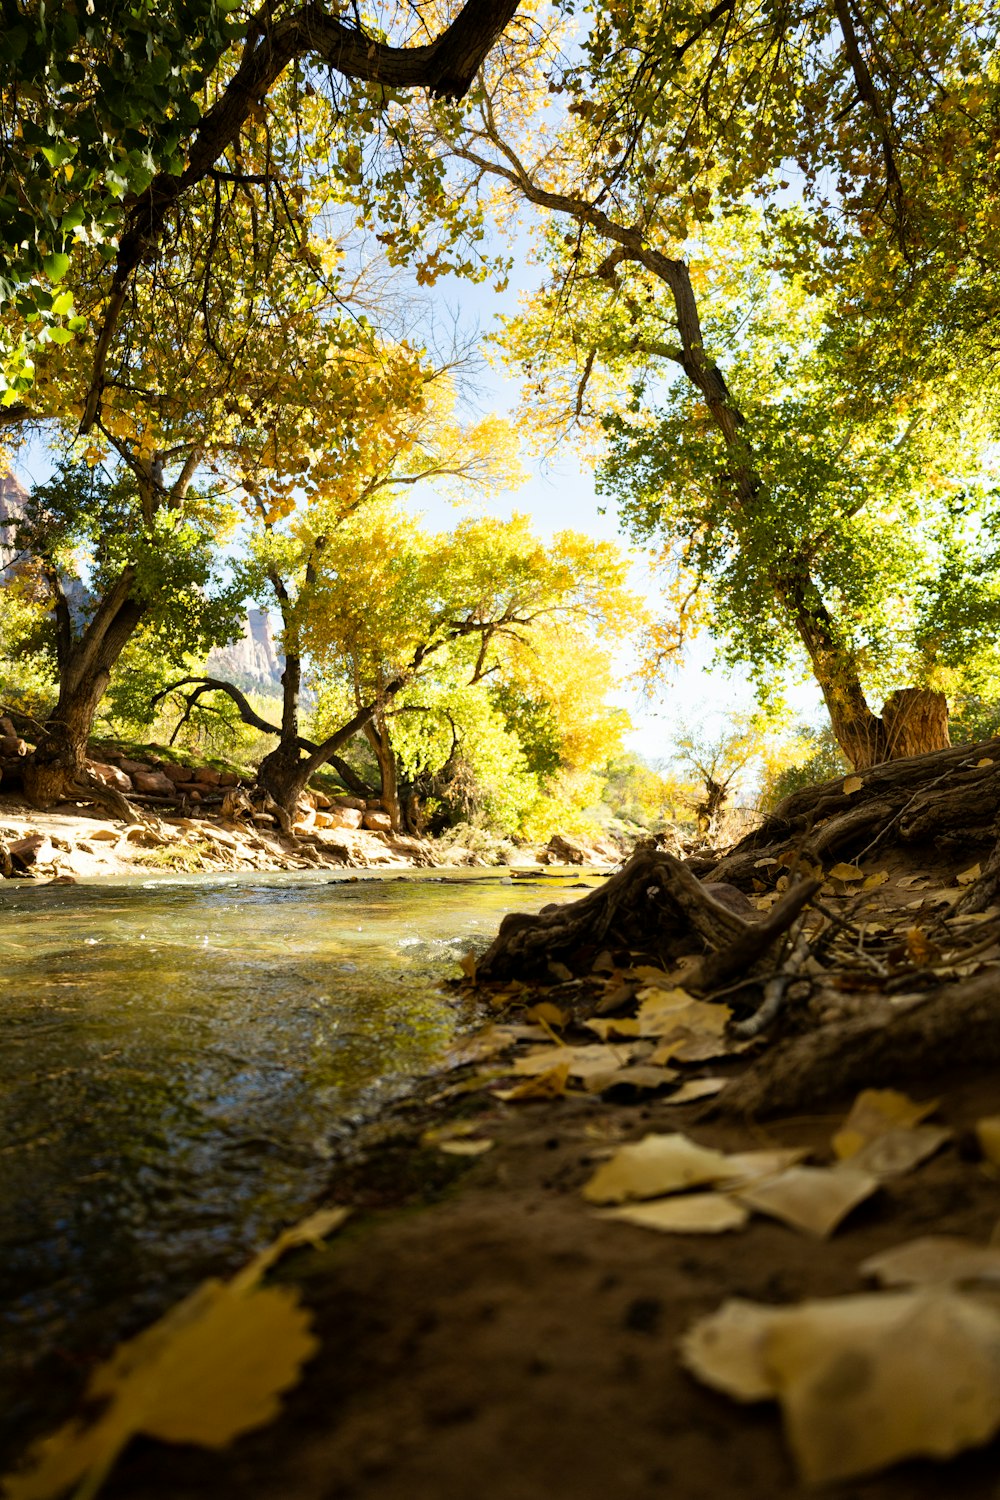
[228, 778]
[373, 804]
[191, 789]
[358, 803]
[34, 849]
[12, 745]
[131, 766]
[340, 817]
[104, 835]
[377, 822]
[207, 776]
[562, 850]
[153, 783]
[110, 776]
[177, 773]
[320, 799]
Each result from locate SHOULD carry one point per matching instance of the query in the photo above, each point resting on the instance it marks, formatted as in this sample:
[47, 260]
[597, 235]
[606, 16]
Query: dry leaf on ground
[874, 1112]
[934, 1260]
[581, 1062]
[213, 1368]
[698, 1088]
[635, 1075]
[900, 1150]
[548, 1085]
[654, 1166]
[846, 873]
[863, 1381]
[815, 1199]
[689, 1213]
[851, 784]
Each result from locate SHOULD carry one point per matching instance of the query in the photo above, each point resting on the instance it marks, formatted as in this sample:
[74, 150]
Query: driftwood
[958, 1025]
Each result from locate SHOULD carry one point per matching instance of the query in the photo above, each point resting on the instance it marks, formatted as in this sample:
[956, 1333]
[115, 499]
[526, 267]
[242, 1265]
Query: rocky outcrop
[254, 660]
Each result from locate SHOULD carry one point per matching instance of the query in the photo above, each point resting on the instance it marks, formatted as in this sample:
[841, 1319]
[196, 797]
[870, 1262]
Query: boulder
[177, 773]
[207, 776]
[228, 778]
[357, 803]
[110, 776]
[320, 799]
[339, 817]
[377, 822]
[563, 850]
[152, 783]
[131, 766]
[33, 849]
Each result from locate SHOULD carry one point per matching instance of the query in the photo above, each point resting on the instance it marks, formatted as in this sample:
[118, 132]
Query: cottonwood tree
[111, 115]
[515, 636]
[674, 123]
[235, 365]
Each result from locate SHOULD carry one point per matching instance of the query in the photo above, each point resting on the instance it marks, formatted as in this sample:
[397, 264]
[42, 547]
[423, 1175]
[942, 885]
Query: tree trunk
[56, 769]
[283, 774]
[915, 721]
[377, 732]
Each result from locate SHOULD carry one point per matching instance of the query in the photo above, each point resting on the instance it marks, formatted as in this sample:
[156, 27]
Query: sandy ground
[483, 1332]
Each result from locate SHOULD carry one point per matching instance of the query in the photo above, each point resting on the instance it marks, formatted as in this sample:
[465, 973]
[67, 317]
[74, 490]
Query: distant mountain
[13, 496]
[254, 661]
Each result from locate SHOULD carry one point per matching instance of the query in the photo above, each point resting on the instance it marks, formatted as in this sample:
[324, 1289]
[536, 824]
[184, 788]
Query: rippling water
[176, 1057]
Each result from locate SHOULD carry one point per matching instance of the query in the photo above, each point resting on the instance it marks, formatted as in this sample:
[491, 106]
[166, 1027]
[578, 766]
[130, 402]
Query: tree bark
[377, 734]
[56, 767]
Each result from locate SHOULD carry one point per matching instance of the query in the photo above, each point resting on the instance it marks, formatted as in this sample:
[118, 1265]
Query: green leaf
[56, 265]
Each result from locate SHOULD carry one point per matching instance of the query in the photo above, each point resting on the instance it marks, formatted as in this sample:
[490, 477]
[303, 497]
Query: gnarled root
[959, 1025]
[650, 904]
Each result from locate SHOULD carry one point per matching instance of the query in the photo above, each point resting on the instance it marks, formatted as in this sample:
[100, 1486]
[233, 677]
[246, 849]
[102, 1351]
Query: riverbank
[485, 1319]
[74, 842]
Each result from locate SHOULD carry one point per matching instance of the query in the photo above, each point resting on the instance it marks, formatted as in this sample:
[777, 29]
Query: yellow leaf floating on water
[690, 1213]
[934, 1260]
[212, 1369]
[988, 1133]
[656, 1165]
[863, 1381]
[815, 1199]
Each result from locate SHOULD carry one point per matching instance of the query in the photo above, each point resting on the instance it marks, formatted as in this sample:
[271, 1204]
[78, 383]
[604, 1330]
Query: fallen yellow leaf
[545, 1085]
[213, 1368]
[934, 1260]
[656, 1165]
[815, 1199]
[851, 784]
[846, 873]
[863, 1381]
[874, 1112]
[968, 876]
[872, 882]
[690, 1213]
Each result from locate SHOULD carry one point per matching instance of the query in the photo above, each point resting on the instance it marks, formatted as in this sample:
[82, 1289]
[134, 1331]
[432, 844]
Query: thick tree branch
[445, 66]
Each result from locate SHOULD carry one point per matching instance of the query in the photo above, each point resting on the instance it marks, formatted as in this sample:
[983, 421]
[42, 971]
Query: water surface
[177, 1056]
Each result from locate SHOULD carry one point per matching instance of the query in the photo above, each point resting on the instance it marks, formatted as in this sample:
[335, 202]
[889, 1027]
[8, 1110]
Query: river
[179, 1056]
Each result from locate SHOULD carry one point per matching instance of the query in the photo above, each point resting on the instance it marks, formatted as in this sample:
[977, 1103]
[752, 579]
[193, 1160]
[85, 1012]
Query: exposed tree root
[959, 1025]
[651, 906]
